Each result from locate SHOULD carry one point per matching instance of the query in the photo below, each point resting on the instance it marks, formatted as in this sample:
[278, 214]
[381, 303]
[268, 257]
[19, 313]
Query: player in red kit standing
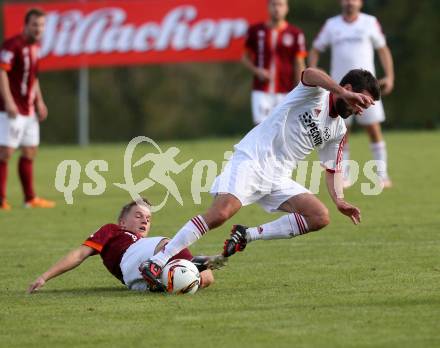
[21, 107]
[274, 53]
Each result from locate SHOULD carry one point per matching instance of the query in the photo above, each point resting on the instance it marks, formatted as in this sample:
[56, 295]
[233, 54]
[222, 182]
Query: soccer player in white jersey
[260, 170]
[353, 36]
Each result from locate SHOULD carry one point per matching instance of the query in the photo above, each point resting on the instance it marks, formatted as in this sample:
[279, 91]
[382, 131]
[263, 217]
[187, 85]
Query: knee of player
[320, 220]
[218, 219]
[5, 156]
[206, 278]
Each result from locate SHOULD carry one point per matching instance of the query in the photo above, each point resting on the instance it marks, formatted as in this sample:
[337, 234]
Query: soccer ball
[181, 277]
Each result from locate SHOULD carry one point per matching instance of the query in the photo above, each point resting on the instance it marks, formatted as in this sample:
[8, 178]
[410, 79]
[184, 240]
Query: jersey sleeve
[97, 240]
[331, 154]
[7, 54]
[322, 40]
[301, 50]
[377, 35]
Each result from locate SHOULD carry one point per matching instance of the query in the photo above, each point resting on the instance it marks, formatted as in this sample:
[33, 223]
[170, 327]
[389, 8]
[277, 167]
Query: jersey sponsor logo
[288, 39]
[326, 133]
[312, 128]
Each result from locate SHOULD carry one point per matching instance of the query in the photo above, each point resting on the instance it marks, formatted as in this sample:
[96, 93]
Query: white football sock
[379, 151]
[287, 226]
[193, 230]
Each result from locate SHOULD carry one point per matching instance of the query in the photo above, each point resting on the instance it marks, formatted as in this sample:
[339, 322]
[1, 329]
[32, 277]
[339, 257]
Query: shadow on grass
[93, 292]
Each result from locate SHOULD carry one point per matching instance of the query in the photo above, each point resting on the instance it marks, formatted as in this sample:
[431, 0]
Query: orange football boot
[5, 206]
[38, 202]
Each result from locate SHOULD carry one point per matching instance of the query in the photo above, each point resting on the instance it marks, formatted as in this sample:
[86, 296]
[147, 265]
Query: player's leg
[5, 154]
[222, 209]
[379, 152]
[29, 149]
[371, 120]
[26, 171]
[11, 132]
[306, 213]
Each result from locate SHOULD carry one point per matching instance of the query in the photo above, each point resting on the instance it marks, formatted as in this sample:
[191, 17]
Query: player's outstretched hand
[358, 101]
[351, 211]
[36, 285]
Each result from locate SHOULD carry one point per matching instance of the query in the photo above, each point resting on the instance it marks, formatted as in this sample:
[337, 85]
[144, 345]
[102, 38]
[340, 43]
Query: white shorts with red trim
[19, 131]
[374, 114]
[245, 179]
[137, 253]
[263, 103]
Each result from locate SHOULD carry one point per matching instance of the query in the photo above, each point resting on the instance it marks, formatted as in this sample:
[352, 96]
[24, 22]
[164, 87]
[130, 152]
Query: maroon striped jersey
[111, 242]
[19, 59]
[275, 50]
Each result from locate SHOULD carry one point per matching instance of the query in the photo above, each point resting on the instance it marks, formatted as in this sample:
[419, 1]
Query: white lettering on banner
[106, 31]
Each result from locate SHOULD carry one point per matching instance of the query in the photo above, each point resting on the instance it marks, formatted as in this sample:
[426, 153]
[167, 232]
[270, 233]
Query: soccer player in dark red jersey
[21, 107]
[274, 53]
[123, 247]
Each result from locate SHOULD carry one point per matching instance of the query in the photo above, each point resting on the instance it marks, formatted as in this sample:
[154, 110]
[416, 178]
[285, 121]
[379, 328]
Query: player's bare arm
[386, 59]
[313, 58]
[262, 74]
[72, 260]
[299, 67]
[336, 192]
[5, 92]
[40, 105]
[357, 101]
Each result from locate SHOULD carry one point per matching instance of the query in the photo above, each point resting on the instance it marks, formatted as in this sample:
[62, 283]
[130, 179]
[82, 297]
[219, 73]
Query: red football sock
[25, 170]
[3, 179]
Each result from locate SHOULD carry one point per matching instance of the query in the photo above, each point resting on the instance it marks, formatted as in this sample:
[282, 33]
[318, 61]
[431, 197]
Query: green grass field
[374, 285]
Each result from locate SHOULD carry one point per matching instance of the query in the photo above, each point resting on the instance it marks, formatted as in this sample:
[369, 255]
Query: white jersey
[352, 43]
[298, 125]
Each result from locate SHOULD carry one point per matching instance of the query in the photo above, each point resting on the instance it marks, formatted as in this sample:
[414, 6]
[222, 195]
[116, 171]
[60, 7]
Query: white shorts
[19, 131]
[263, 103]
[245, 179]
[374, 114]
[137, 253]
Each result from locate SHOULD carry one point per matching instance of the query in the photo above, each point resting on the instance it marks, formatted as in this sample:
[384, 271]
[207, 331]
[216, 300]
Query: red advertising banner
[104, 33]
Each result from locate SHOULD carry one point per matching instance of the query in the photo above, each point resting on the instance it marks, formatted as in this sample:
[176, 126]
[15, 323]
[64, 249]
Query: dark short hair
[126, 208]
[33, 12]
[362, 80]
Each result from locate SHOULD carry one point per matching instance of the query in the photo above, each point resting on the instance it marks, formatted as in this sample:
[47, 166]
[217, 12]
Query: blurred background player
[274, 53]
[353, 36]
[21, 106]
[123, 247]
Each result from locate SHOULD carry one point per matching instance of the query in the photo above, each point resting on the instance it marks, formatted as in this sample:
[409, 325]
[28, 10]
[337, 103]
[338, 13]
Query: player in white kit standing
[353, 37]
[260, 170]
